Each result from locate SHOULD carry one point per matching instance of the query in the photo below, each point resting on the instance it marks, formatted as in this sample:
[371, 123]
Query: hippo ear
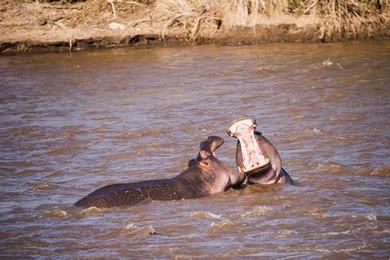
[191, 162]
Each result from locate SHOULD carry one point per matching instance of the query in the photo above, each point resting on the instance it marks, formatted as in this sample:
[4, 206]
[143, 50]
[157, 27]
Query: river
[71, 123]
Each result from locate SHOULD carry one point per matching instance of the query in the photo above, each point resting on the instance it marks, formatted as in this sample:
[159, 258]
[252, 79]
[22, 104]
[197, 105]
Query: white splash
[257, 211]
[204, 215]
[222, 224]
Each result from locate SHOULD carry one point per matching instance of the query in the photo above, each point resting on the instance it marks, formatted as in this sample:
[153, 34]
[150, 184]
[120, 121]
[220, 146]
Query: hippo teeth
[255, 170]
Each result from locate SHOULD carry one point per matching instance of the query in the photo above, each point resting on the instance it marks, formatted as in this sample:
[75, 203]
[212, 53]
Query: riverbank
[27, 26]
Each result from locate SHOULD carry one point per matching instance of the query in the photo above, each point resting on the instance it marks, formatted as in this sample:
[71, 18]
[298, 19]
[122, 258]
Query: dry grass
[347, 19]
[193, 17]
[336, 18]
[344, 19]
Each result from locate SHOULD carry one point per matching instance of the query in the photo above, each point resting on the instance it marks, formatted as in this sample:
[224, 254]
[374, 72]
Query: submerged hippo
[204, 176]
[256, 157]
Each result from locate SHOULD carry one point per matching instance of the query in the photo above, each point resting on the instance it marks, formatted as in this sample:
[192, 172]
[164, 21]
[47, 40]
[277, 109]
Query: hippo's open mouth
[253, 158]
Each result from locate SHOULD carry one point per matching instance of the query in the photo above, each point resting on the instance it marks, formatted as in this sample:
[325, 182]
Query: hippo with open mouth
[256, 157]
[205, 175]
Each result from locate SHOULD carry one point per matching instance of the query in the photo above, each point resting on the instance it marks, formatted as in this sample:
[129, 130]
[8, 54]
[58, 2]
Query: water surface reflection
[72, 123]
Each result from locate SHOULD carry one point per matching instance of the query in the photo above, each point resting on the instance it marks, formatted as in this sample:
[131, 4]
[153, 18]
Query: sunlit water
[70, 124]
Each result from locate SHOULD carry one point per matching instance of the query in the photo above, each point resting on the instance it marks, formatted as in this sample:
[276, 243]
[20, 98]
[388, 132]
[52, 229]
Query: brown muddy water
[70, 123]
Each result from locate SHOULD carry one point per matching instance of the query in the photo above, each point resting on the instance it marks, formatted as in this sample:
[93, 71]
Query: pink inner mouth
[252, 156]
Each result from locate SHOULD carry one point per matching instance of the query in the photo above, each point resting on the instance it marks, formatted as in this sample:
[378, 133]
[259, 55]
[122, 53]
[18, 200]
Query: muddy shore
[29, 27]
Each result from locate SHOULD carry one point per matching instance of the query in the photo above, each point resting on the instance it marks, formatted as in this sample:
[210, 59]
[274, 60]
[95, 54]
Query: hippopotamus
[205, 175]
[256, 157]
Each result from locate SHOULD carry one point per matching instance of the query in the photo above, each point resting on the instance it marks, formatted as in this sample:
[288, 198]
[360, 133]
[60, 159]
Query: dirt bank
[27, 26]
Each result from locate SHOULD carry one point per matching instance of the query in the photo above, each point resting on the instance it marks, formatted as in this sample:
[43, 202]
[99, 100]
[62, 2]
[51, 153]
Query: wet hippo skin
[205, 175]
